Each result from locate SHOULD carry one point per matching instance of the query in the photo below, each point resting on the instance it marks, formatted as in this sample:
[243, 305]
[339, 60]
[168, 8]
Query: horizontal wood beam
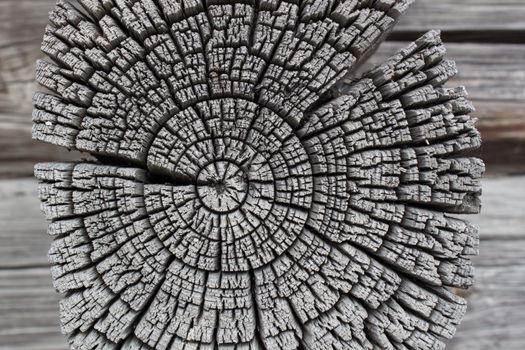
[25, 243]
[493, 74]
[465, 20]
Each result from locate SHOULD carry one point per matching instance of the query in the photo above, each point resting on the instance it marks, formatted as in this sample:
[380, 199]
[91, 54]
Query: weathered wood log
[243, 196]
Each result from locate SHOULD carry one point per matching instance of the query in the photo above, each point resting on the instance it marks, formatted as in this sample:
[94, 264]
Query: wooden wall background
[485, 37]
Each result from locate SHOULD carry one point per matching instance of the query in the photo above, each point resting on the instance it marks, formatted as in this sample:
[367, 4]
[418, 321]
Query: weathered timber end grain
[245, 193]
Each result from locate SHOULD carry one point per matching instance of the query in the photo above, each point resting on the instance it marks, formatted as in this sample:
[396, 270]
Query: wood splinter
[242, 196]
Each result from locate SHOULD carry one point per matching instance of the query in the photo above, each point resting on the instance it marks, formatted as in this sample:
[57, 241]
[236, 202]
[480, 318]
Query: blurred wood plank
[28, 302]
[17, 70]
[486, 20]
[23, 20]
[22, 24]
[18, 152]
[496, 315]
[29, 309]
[465, 20]
[24, 242]
[502, 214]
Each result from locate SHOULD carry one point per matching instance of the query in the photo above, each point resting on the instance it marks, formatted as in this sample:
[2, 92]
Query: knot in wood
[222, 186]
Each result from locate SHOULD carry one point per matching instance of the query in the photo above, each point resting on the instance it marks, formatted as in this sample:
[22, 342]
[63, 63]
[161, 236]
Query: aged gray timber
[494, 76]
[466, 20]
[21, 26]
[242, 195]
[495, 319]
[496, 68]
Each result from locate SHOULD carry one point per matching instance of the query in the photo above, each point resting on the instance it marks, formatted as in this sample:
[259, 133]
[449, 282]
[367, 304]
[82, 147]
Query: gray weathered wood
[480, 18]
[25, 244]
[21, 25]
[498, 107]
[495, 319]
[496, 323]
[28, 306]
[466, 20]
[503, 209]
[243, 196]
[21, 229]
[494, 75]
[19, 152]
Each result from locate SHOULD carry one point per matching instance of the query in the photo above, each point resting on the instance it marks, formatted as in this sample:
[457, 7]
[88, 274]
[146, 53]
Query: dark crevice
[25, 267]
[154, 176]
[495, 36]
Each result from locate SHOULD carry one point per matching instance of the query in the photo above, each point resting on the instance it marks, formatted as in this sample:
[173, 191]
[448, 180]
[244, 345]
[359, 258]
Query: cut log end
[245, 195]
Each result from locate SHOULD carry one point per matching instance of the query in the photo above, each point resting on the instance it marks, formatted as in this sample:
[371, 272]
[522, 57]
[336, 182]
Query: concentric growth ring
[252, 177]
[222, 186]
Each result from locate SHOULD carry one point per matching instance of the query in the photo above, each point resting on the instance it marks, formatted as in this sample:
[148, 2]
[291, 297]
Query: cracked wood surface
[241, 195]
[29, 304]
[494, 77]
[493, 322]
[483, 68]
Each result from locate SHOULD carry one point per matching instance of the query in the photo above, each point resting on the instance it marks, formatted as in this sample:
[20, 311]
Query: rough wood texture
[21, 26]
[495, 319]
[494, 76]
[243, 197]
[502, 122]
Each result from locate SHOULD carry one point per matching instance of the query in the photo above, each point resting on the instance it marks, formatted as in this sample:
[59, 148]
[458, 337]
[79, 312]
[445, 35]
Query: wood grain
[466, 20]
[494, 75]
[29, 304]
[22, 23]
[483, 69]
[495, 319]
[19, 152]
